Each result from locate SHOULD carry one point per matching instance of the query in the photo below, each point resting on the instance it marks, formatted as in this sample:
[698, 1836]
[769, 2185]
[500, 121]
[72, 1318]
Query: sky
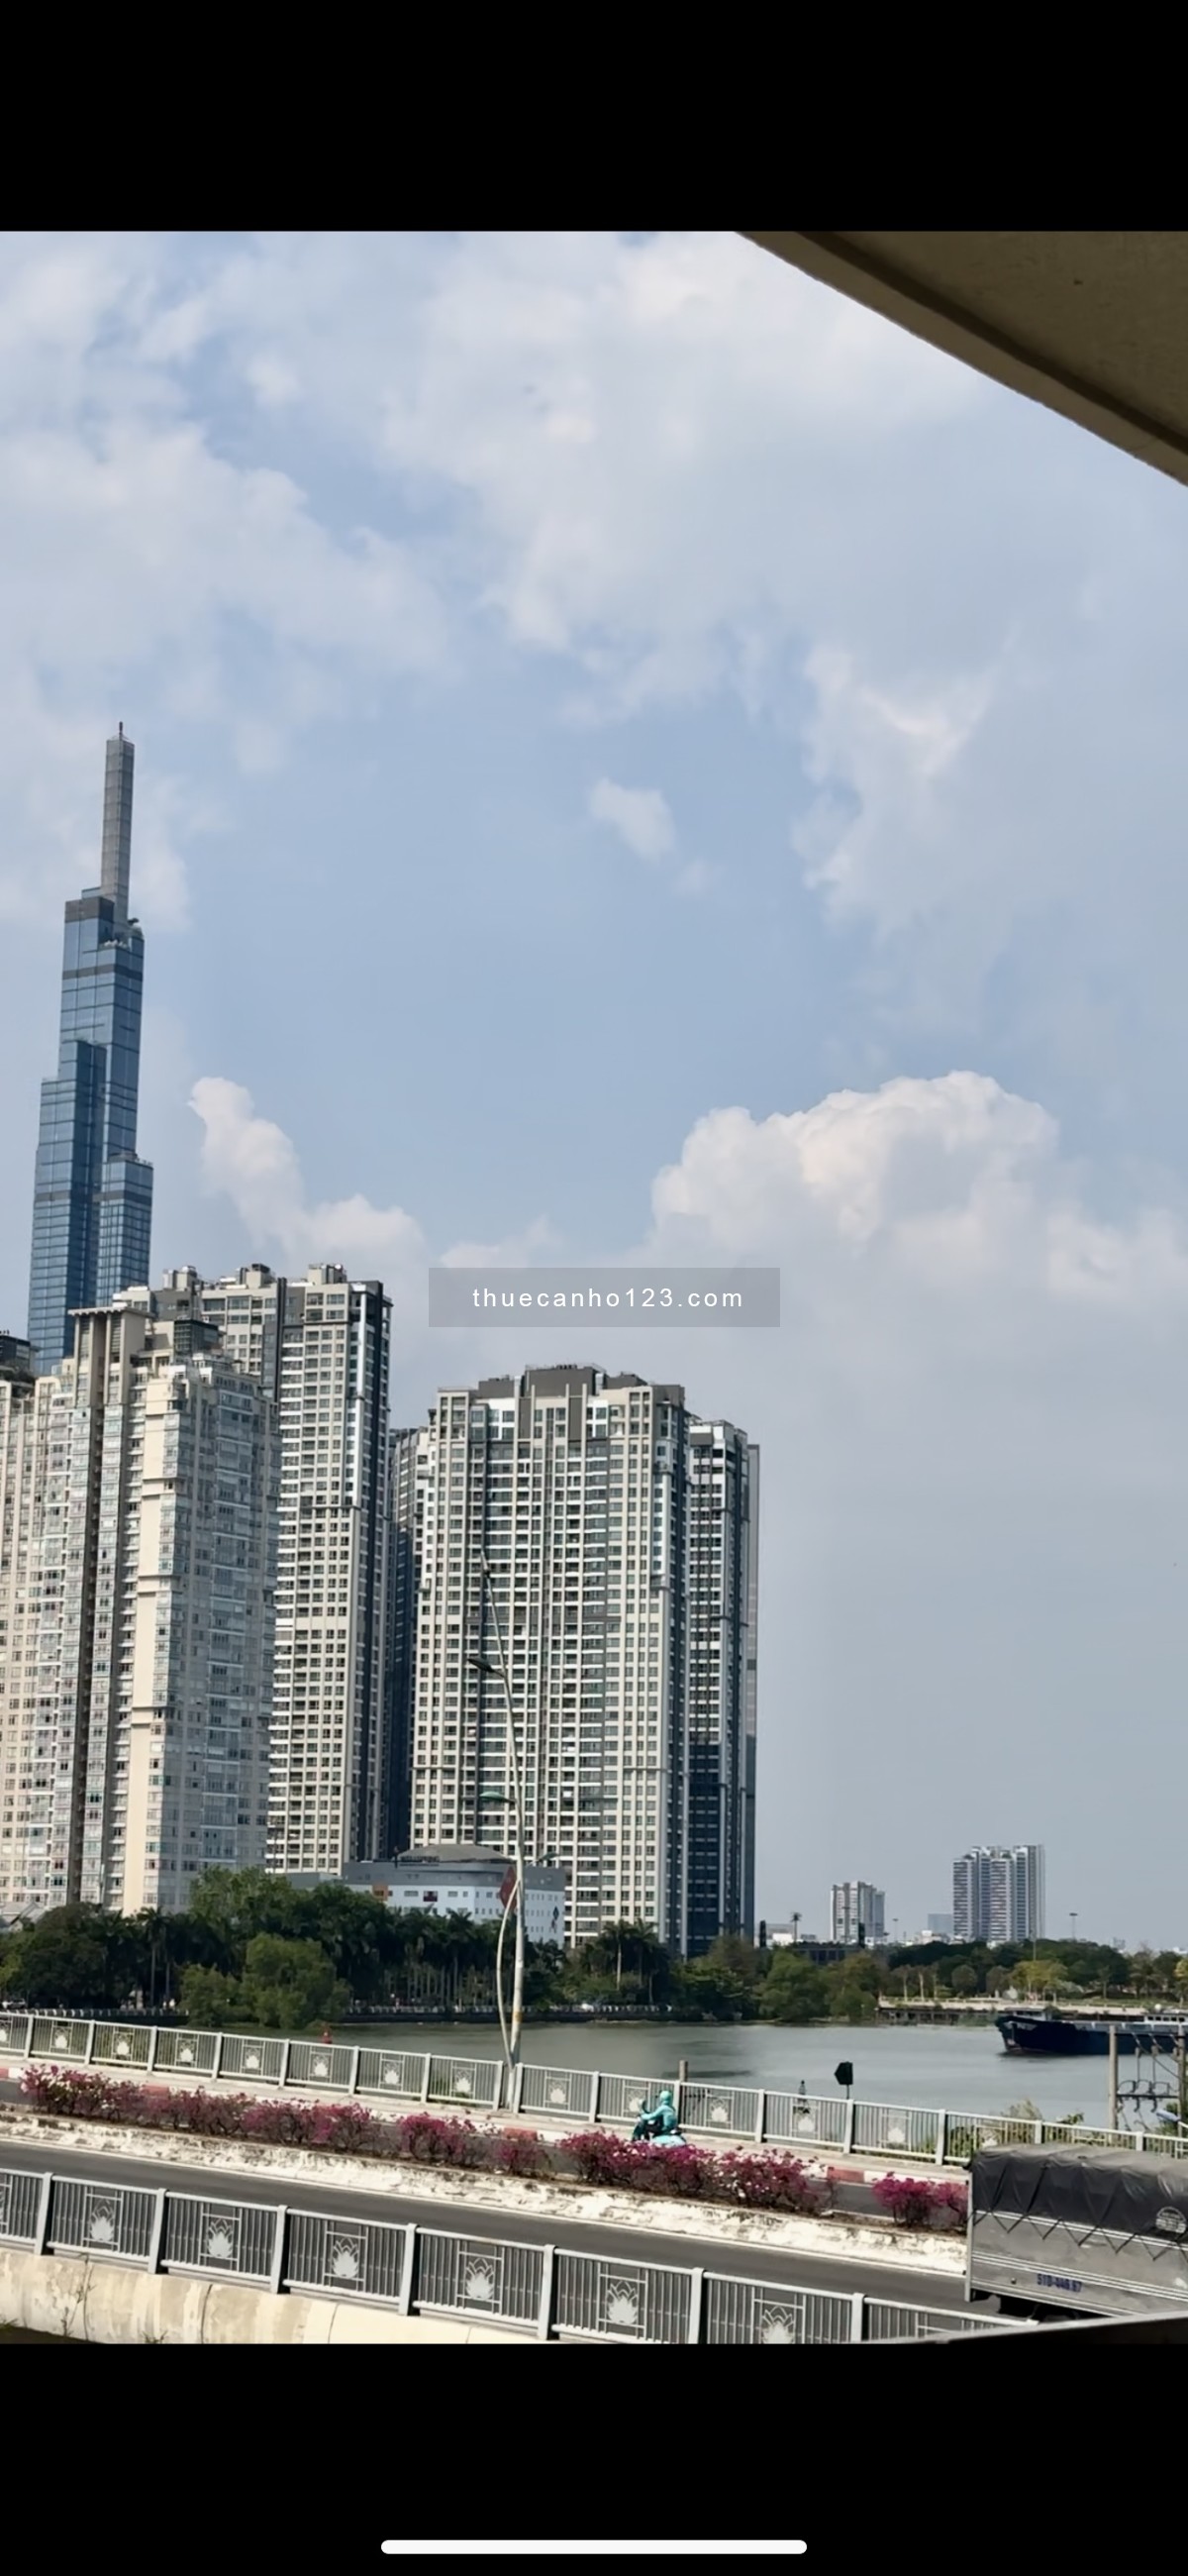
[638, 759]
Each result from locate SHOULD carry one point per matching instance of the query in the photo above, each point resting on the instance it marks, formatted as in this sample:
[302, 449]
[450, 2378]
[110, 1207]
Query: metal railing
[601, 2298]
[548, 2292]
[804, 2123]
[233, 2237]
[479, 2276]
[351, 2257]
[20, 2198]
[98, 2218]
[738, 2311]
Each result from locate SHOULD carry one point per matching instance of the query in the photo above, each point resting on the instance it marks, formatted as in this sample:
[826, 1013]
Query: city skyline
[788, 871]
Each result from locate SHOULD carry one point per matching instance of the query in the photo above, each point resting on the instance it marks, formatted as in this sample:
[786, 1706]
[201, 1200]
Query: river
[962, 2069]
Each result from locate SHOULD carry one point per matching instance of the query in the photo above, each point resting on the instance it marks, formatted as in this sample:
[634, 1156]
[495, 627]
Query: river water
[964, 2069]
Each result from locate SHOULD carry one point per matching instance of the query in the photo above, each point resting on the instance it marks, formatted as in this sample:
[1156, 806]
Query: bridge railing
[549, 2292]
[802, 2122]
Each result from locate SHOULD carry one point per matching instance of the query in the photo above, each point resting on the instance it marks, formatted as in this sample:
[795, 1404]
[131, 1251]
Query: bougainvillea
[912, 2201]
[745, 2179]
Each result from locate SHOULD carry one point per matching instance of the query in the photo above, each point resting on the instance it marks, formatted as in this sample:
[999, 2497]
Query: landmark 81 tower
[93, 1197]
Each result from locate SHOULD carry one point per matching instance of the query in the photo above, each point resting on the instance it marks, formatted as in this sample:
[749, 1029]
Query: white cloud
[880, 837]
[620, 421]
[685, 468]
[252, 1161]
[640, 815]
[137, 542]
[945, 1205]
[534, 1242]
[674, 462]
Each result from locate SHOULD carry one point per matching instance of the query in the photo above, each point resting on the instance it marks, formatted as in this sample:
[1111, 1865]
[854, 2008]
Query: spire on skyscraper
[117, 822]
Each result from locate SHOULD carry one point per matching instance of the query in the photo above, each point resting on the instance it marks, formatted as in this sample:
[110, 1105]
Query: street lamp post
[511, 2039]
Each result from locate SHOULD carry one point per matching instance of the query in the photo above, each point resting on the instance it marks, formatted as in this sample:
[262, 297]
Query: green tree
[290, 1985]
[708, 1992]
[162, 1945]
[230, 1906]
[623, 1964]
[1142, 1971]
[737, 1957]
[964, 1980]
[853, 1986]
[209, 1999]
[76, 1958]
[348, 1924]
[794, 1990]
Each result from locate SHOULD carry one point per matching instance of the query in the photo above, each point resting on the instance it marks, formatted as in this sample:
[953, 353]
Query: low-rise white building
[457, 1878]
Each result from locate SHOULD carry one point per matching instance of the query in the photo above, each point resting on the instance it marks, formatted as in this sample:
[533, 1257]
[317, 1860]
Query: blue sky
[635, 751]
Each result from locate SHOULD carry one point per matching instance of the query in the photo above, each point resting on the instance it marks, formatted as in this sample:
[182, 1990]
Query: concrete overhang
[1094, 325]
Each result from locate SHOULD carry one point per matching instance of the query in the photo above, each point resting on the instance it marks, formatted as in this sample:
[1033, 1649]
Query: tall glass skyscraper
[93, 1197]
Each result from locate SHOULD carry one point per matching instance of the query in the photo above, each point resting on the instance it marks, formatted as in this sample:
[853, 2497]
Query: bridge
[59, 2205]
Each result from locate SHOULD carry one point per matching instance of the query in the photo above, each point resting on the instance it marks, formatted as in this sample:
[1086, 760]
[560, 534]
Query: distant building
[998, 1893]
[137, 1599]
[619, 1532]
[407, 1484]
[459, 1878]
[93, 1196]
[940, 1927]
[819, 1953]
[857, 1912]
[318, 1347]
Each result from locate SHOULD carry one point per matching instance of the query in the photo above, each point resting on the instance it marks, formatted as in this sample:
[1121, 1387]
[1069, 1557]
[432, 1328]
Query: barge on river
[1041, 2033]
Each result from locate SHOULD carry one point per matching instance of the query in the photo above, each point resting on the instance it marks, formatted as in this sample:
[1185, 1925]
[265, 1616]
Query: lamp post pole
[512, 2037]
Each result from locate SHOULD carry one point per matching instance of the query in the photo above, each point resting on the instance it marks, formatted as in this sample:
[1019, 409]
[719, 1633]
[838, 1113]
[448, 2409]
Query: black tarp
[1137, 2193]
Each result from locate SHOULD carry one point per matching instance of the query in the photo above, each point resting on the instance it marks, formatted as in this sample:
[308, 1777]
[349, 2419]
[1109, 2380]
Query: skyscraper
[320, 1345]
[137, 1573]
[621, 1533]
[998, 1893]
[405, 1518]
[857, 1911]
[93, 1197]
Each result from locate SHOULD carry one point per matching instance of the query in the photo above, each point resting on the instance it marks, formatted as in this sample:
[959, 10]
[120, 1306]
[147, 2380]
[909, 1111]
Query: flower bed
[743, 2180]
[912, 2201]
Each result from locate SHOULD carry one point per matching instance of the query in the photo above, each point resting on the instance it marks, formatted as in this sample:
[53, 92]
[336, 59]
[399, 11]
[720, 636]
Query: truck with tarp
[1079, 2231]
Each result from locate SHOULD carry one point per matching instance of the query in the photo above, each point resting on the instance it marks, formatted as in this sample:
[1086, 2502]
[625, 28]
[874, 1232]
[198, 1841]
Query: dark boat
[1054, 2034]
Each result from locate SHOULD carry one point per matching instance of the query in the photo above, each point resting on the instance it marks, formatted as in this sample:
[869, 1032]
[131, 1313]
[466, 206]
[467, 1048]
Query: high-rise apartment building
[400, 1658]
[93, 1197]
[320, 1345]
[857, 1911]
[137, 1572]
[998, 1893]
[621, 1535]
